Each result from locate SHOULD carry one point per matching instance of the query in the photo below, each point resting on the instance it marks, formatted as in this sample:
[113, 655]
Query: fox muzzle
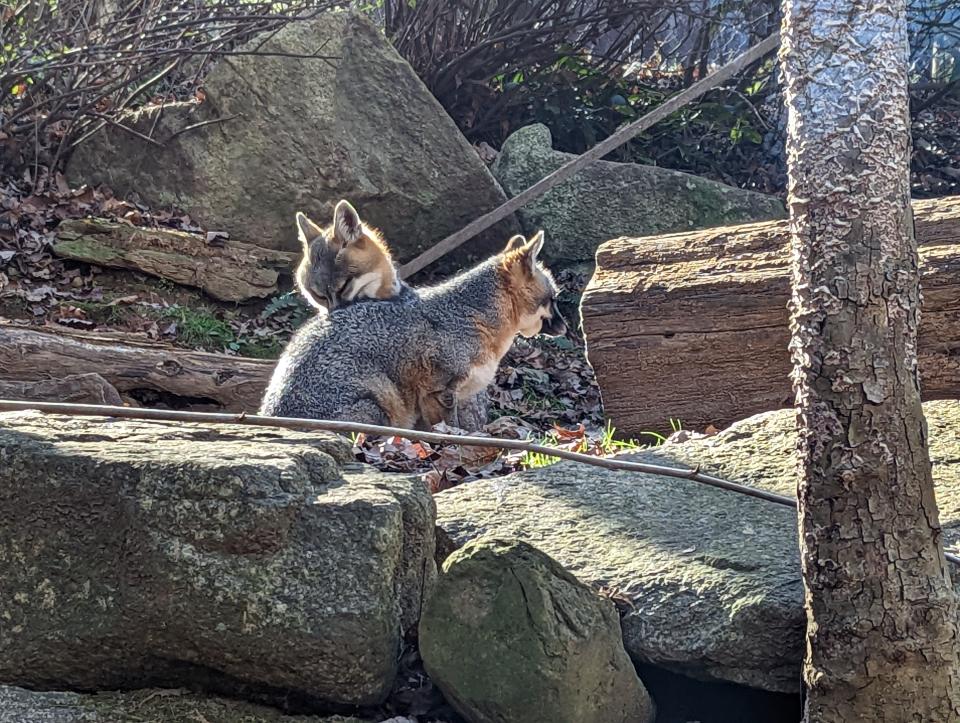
[554, 325]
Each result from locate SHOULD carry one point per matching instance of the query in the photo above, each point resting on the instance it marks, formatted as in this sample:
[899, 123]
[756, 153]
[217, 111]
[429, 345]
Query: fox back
[380, 361]
[346, 365]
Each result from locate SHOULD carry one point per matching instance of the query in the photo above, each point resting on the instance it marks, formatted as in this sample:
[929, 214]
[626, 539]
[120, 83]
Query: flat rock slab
[136, 554]
[714, 576]
[226, 270]
[607, 200]
[18, 705]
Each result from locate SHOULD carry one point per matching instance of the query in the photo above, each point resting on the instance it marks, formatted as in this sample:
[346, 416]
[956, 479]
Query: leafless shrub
[68, 66]
[466, 51]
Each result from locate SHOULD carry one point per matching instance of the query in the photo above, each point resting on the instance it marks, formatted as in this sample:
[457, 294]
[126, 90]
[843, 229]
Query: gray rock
[136, 554]
[607, 200]
[305, 133]
[18, 705]
[714, 576]
[510, 637]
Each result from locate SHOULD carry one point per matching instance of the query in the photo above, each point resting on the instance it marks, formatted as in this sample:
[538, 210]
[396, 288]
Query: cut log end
[694, 326]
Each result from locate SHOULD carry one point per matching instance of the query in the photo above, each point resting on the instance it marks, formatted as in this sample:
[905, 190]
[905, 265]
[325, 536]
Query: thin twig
[194, 126]
[442, 248]
[375, 429]
[116, 124]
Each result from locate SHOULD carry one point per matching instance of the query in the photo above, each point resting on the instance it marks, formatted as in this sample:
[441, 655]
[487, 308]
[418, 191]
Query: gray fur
[327, 369]
[325, 275]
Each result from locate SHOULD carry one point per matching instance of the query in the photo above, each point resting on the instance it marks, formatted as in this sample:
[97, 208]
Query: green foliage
[658, 439]
[268, 348]
[101, 312]
[583, 102]
[605, 444]
[199, 328]
[290, 302]
[580, 103]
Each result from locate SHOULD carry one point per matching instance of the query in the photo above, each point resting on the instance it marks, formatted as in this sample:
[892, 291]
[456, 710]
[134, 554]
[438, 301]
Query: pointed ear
[347, 227]
[307, 230]
[514, 243]
[532, 248]
[536, 241]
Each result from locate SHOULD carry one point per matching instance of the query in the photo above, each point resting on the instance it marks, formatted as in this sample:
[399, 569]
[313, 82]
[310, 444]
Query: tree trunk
[882, 618]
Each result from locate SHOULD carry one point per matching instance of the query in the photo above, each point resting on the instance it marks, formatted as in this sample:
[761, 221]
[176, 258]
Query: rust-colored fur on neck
[371, 254]
[518, 287]
[517, 294]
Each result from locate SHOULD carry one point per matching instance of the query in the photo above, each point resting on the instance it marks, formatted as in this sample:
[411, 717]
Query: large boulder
[607, 200]
[136, 554]
[510, 637]
[300, 133]
[18, 705]
[713, 576]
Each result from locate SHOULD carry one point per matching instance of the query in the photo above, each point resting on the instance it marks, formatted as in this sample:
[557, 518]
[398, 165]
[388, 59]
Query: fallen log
[88, 388]
[227, 270]
[32, 356]
[694, 326]
[29, 354]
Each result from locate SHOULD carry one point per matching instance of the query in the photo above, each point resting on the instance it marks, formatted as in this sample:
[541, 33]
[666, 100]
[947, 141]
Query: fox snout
[554, 325]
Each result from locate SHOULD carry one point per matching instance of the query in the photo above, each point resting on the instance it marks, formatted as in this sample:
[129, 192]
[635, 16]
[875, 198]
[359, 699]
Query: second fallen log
[229, 270]
[86, 388]
[694, 326]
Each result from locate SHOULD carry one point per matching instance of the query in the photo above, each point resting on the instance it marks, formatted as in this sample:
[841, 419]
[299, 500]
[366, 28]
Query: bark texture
[881, 615]
[33, 355]
[708, 311]
[229, 270]
[89, 388]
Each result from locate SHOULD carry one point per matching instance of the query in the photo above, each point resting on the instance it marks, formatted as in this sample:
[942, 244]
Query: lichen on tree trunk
[882, 618]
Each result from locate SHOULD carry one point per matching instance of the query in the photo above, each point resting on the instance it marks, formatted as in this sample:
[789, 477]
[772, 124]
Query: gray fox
[345, 262]
[396, 361]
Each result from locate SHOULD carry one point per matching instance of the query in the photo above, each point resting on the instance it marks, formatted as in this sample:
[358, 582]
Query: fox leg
[364, 411]
[430, 410]
[439, 404]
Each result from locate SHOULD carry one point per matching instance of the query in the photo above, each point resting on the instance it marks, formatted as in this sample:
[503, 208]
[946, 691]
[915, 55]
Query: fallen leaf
[39, 293]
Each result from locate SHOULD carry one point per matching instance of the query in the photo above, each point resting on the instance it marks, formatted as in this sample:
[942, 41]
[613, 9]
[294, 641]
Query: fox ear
[532, 248]
[307, 230]
[514, 243]
[347, 227]
[536, 241]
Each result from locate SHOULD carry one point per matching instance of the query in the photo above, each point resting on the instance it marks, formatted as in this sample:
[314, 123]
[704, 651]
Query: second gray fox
[344, 262]
[387, 362]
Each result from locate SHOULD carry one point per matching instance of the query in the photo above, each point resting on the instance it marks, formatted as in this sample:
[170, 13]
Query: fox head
[528, 289]
[345, 261]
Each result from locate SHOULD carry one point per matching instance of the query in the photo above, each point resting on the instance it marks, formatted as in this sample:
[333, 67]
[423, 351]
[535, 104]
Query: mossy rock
[510, 636]
[240, 560]
[607, 200]
[157, 706]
